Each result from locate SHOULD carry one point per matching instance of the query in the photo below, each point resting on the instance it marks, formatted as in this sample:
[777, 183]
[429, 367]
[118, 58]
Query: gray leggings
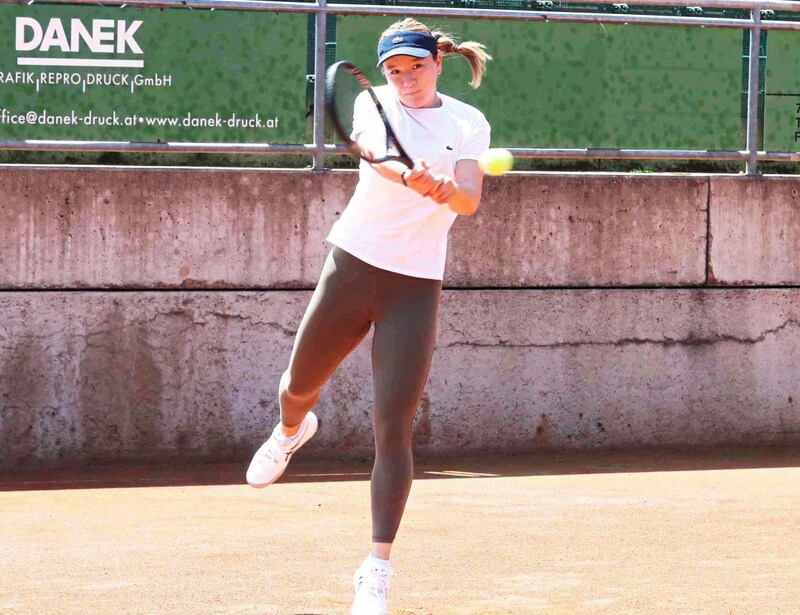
[350, 296]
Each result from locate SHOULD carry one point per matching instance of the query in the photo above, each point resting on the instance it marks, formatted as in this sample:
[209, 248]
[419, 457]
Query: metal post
[321, 36]
[752, 93]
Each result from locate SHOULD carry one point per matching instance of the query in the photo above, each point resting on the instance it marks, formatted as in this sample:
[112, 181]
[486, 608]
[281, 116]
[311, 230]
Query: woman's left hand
[445, 189]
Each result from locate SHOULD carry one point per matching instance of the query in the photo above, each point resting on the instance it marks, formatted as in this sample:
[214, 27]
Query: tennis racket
[343, 84]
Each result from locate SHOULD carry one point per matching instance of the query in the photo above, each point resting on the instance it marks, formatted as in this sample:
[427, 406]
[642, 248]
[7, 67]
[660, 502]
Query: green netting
[563, 7]
[557, 85]
[575, 85]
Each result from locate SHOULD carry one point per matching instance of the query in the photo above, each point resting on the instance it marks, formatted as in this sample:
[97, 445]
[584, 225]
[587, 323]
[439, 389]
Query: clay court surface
[615, 533]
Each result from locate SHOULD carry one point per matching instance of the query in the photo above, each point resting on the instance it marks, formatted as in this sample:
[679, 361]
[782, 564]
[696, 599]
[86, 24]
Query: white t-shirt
[388, 225]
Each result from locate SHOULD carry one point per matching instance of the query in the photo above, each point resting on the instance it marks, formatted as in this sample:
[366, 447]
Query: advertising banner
[87, 73]
[782, 96]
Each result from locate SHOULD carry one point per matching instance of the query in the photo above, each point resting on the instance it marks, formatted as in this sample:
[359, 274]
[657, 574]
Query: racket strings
[362, 80]
[344, 85]
[347, 90]
[350, 85]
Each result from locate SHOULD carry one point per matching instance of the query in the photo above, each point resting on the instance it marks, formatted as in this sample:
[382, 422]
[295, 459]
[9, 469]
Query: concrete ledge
[72, 228]
[185, 376]
[583, 230]
[755, 231]
[165, 228]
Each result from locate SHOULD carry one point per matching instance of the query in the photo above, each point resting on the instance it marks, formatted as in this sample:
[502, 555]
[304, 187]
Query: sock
[383, 564]
[281, 438]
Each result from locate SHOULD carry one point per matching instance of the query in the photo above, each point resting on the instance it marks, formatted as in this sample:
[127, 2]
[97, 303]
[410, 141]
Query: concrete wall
[101, 228]
[147, 314]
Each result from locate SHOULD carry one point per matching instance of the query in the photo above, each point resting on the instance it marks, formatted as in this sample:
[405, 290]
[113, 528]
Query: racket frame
[331, 109]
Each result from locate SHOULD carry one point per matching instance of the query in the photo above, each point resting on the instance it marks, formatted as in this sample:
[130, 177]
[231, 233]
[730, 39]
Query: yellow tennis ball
[496, 161]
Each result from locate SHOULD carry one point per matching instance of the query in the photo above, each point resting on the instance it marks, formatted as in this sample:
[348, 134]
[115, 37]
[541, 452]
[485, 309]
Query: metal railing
[755, 23]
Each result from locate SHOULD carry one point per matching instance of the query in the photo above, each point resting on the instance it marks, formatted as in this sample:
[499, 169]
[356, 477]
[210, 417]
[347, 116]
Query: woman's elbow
[470, 210]
[468, 206]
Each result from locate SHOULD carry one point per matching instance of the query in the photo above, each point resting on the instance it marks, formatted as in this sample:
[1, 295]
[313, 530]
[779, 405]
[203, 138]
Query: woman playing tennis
[386, 269]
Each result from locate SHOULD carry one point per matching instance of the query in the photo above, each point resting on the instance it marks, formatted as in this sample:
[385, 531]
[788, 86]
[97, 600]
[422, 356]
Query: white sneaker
[271, 459]
[370, 582]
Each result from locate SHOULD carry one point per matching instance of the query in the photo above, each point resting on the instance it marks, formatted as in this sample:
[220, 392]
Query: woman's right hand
[420, 179]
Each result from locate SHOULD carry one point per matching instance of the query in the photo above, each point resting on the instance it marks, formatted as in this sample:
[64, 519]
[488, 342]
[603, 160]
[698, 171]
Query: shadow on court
[319, 471]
